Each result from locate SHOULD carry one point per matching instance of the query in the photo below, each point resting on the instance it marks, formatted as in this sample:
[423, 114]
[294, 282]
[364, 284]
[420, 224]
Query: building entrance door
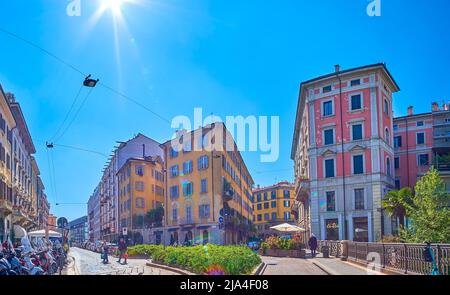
[360, 232]
[332, 229]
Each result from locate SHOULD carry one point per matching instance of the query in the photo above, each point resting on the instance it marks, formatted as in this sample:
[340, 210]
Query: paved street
[84, 262]
[290, 266]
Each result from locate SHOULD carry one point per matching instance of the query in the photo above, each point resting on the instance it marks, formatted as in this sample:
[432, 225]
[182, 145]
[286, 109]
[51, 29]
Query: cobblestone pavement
[290, 266]
[84, 262]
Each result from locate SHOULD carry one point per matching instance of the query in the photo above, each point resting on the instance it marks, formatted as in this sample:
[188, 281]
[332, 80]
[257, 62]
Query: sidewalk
[335, 266]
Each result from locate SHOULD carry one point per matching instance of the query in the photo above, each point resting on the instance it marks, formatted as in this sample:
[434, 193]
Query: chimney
[410, 110]
[434, 107]
[337, 68]
[446, 106]
[143, 151]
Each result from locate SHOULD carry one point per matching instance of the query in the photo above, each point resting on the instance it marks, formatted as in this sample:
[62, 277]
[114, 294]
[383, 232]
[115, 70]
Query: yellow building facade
[209, 189]
[272, 206]
[141, 188]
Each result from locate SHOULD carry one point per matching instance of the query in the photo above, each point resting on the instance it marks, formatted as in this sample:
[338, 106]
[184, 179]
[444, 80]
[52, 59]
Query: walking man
[313, 245]
[122, 250]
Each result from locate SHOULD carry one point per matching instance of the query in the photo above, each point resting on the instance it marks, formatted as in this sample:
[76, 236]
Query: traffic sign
[220, 219]
[62, 222]
[125, 231]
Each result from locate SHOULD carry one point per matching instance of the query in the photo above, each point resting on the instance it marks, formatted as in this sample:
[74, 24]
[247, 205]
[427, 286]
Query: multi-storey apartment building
[7, 122]
[51, 222]
[343, 152]
[209, 188]
[421, 141]
[94, 216]
[141, 189]
[138, 146]
[272, 206]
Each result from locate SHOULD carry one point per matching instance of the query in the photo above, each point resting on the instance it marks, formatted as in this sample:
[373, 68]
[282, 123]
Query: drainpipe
[407, 150]
[342, 146]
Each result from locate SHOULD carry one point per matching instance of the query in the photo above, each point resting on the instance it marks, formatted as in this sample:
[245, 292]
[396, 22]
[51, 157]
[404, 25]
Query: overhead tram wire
[75, 115]
[68, 113]
[74, 148]
[69, 65]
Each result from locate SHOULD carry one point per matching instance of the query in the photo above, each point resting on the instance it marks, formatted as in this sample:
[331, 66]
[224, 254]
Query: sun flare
[114, 5]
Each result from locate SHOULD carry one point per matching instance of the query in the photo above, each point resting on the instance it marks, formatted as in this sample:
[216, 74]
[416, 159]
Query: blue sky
[228, 57]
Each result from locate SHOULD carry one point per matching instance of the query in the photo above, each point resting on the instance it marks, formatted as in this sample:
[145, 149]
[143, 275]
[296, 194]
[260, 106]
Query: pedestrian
[313, 245]
[105, 253]
[122, 250]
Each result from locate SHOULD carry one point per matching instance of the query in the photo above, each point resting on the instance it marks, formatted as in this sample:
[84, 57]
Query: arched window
[388, 167]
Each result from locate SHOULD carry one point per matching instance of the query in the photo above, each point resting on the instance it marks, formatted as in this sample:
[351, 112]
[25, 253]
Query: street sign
[62, 222]
[220, 219]
[125, 231]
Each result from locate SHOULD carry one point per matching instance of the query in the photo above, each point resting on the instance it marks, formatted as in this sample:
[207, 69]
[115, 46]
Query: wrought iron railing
[404, 258]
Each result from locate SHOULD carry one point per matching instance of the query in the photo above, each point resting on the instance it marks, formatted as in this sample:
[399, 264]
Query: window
[355, 82]
[397, 141]
[388, 167]
[139, 170]
[173, 153]
[174, 191]
[258, 197]
[188, 189]
[265, 196]
[395, 126]
[202, 163]
[326, 89]
[259, 206]
[331, 201]
[140, 203]
[287, 215]
[396, 162]
[419, 123]
[386, 107]
[359, 199]
[139, 185]
[259, 217]
[174, 214]
[329, 168]
[274, 216]
[266, 217]
[266, 205]
[274, 204]
[356, 102]
[358, 164]
[287, 203]
[188, 214]
[420, 136]
[328, 136]
[187, 146]
[204, 185]
[423, 160]
[174, 171]
[204, 211]
[357, 132]
[273, 195]
[287, 194]
[327, 108]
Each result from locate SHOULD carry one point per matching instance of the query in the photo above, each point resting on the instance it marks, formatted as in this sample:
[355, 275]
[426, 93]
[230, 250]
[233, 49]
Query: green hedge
[233, 260]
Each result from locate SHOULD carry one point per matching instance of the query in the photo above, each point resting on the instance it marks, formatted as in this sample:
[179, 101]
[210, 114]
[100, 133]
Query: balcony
[6, 207]
[302, 190]
[227, 194]
[186, 221]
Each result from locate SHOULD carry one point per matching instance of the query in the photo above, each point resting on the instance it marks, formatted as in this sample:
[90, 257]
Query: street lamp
[88, 82]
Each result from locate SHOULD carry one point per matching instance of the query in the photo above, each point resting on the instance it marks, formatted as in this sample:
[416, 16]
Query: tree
[397, 202]
[429, 213]
[155, 215]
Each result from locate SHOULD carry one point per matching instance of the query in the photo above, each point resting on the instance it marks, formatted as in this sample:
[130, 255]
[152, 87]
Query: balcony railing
[186, 221]
[404, 258]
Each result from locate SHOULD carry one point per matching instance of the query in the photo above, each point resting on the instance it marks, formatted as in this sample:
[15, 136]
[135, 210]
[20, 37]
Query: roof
[77, 221]
[150, 159]
[277, 185]
[300, 104]
[414, 116]
[22, 125]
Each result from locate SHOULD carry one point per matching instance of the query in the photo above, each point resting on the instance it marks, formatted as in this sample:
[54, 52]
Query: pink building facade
[343, 153]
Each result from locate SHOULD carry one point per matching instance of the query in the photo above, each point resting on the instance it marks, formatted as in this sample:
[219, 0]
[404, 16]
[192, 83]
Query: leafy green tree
[429, 213]
[155, 216]
[397, 202]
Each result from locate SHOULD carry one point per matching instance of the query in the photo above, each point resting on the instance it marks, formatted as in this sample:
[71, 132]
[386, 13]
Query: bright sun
[113, 5]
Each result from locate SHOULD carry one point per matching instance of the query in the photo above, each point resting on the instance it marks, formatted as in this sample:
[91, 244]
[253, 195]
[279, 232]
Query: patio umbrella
[286, 227]
[19, 232]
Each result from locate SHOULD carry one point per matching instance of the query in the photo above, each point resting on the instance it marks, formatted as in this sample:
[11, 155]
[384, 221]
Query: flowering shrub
[277, 243]
[215, 270]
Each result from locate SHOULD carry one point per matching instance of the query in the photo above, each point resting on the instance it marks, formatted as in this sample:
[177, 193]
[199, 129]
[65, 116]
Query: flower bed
[278, 247]
[208, 259]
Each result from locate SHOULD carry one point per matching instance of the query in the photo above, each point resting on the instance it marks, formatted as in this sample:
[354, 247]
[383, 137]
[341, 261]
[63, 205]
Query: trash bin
[326, 251]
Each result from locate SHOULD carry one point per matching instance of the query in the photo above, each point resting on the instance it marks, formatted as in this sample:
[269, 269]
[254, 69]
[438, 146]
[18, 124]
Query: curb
[169, 268]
